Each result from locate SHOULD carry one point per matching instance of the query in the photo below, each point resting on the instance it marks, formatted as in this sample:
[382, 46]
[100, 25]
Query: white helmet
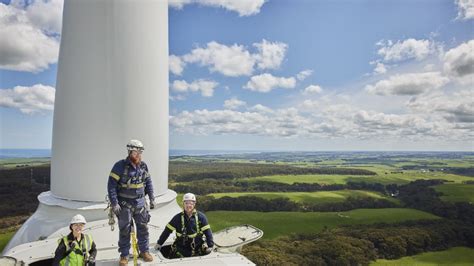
[78, 219]
[135, 145]
[189, 196]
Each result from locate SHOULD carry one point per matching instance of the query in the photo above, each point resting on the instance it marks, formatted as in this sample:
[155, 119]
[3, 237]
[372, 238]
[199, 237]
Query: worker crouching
[190, 226]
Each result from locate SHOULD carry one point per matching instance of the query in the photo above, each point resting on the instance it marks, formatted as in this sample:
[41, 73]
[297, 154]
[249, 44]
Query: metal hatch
[232, 239]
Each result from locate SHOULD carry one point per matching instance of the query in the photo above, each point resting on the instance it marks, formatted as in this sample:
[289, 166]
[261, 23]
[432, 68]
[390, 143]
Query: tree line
[208, 186]
[191, 171]
[253, 203]
[361, 244]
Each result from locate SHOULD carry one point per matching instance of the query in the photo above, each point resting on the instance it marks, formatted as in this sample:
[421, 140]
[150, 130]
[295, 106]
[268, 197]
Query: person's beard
[135, 160]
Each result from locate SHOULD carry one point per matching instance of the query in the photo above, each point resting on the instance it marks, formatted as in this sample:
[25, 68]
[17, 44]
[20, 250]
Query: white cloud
[179, 4]
[312, 89]
[28, 100]
[233, 103]
[243, 7]
[304, 74]
[465, 9]
[46, 14]
[267, 82]
[408, 84]
[26, 43]
[233, 61]
[230, 61]
[176, 65]
[206, 87]
[261, 109]
[270, 55]
[457, 107]
[407, 49]
[459, 62]
[380, 68]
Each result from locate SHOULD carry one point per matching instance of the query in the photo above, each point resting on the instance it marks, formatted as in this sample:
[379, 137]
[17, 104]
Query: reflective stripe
[114, 176]
[171, 227]
[204, 228]
[183, 226]
[131, 185]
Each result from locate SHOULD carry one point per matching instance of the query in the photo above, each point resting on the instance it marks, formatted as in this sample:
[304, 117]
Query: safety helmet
[135, 145]
[78, 219]
[189, 196]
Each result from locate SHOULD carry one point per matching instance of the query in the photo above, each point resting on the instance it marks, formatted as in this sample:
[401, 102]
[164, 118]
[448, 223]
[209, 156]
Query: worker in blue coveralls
[129, 183]
[190, 226]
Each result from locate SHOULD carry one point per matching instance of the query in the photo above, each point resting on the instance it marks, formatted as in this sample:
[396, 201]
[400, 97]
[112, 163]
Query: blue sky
[276, 74]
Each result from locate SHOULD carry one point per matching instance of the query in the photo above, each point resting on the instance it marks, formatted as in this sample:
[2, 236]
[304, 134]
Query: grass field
[389, 178]
[12, 163]
[456, 192]
[4, 238]
[309, 197]
[275, 224]
[459, 256]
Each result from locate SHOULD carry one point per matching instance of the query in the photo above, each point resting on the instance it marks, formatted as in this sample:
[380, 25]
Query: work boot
[146, 256]
[123, 261]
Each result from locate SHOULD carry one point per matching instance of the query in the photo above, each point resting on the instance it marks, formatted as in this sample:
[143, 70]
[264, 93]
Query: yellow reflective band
[132, 185]
[190, 236]
[204, 228]
[171, 227]
[114, 176]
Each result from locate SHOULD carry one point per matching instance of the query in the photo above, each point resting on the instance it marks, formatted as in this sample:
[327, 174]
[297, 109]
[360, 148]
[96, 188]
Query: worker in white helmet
[129, 182]
[190, 226]
[75, 249]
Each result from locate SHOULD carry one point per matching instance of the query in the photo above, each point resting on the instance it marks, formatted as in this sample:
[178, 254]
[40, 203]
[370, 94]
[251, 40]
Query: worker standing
[129, 183]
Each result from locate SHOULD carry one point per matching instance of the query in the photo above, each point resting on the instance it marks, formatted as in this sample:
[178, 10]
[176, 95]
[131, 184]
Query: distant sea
[36, 153]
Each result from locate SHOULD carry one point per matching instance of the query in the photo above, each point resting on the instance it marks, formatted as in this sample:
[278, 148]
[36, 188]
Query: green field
[456, 192]
[275, 224]
[309, 197]
[4, 238]
[389, 178]
[12, 163]
[459, 256]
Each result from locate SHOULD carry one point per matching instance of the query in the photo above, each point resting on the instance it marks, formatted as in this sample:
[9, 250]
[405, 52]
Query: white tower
[112, 86]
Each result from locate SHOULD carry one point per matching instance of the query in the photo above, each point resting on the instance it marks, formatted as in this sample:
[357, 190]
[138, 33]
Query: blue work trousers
[141, 218]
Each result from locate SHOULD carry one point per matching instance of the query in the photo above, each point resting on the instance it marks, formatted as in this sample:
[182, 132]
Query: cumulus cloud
[233, 103]
[465, 9]
[459, 61]
[234, 60]
[176, 65]
[457, 107]
[28, 100]
[29, 35]
[270, 54]
[230, 61]
[206, 87]
[380, 68]
[267, 82]
[312, 89]
[304, 74]
[242, 7]
[408, 84]
[260, 109]
[407, 49]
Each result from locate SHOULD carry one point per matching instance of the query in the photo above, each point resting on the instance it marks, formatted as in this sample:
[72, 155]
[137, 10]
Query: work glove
[157, 247]
[206, 250]
[91, 262]
[152, 204]
[116, 209]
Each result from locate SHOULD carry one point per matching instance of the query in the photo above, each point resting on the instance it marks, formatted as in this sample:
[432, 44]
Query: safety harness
[184, 236]
[80, 252]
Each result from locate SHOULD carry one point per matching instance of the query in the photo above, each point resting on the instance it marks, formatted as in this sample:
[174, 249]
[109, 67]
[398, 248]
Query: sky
[276, 75]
